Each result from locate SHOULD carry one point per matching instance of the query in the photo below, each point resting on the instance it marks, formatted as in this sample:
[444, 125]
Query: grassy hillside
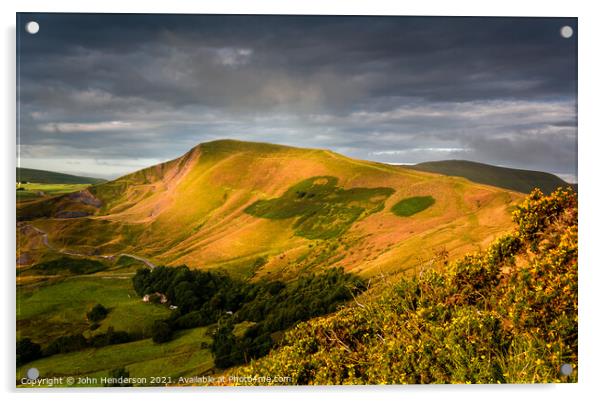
[181, 357]
[268, 211]
[52, 309]
[51, 177]
[212, 319]
[514, 179]
[32, 191]
[505, 315]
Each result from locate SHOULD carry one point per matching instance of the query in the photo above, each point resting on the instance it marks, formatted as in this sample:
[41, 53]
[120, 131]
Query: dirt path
[140, 258]
[45, 241]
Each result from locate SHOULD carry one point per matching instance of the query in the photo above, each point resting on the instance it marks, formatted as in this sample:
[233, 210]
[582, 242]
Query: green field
[38, 191]
[64, 266]
[58, 305]
[410, 206]
[49, 310]
[187, 354]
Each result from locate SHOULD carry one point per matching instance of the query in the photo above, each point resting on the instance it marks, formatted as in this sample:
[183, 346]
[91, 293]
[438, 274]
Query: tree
[97, 313]
[225, 349]
[119, 373]
[27, 351]
[64, 344]
[141, 280]
[161, 332]
[111, 337]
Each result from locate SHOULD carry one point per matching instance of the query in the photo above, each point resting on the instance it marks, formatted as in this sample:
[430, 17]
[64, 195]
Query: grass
[184, 355]
[49, 310]
[192, 211]
[514, 179]
[128, 264]
[201, 221]
[188, 354]
[322, 209]
[410, 206]
[64, 266]
[51, 177]
[32, 190]
[504, 315]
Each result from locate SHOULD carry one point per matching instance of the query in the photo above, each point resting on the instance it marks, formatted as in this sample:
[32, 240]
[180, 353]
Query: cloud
[421, 150]
[102, 126]
[399, 90]
[232, 57]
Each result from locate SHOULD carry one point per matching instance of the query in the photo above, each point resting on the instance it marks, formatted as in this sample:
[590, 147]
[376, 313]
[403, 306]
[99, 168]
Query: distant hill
[270, 211]
[509, 178]
[50, 177]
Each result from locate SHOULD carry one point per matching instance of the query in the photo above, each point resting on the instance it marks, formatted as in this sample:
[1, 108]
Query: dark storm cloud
[101, 88]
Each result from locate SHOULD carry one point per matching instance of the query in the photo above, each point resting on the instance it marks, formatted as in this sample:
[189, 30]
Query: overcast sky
[104, 95]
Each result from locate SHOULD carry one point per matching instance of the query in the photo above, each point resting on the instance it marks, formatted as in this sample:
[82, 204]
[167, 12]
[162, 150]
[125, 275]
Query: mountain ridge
[194, 210]
[519, 180]
[52, 177]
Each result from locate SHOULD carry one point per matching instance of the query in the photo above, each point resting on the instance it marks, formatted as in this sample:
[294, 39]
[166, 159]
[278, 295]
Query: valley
[310, 222]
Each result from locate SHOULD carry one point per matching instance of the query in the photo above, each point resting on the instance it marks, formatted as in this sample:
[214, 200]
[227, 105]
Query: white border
[590, 273]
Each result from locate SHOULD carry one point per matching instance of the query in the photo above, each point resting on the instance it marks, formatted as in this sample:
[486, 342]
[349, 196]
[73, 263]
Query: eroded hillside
[262, 210]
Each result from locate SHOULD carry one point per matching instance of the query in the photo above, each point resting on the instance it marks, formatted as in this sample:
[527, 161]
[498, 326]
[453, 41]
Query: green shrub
[64, 344]
[97, 313]
[161, 332]
[111, 337]
[119, 373]
[27, 351]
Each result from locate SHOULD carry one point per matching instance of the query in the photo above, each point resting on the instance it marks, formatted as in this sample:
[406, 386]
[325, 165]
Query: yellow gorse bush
[505, 315]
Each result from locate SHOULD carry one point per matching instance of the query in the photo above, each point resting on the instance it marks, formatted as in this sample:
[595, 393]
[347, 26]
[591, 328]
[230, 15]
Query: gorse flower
[505, 315]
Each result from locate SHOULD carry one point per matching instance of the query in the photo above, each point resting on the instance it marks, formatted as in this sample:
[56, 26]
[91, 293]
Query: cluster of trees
[204, 298]
[276, 307]
[28, 351]
[205, 292]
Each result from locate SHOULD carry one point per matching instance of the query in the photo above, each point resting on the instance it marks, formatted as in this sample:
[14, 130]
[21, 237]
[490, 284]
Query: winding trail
[45, 241]
[147, 262]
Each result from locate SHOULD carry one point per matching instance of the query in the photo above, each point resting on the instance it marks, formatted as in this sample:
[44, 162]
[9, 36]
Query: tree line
[203, 298]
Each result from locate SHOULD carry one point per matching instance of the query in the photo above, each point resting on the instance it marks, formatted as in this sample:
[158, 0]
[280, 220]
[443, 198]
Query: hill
[51, 177]
[513, 179]
[506, 315]
[267, 211]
